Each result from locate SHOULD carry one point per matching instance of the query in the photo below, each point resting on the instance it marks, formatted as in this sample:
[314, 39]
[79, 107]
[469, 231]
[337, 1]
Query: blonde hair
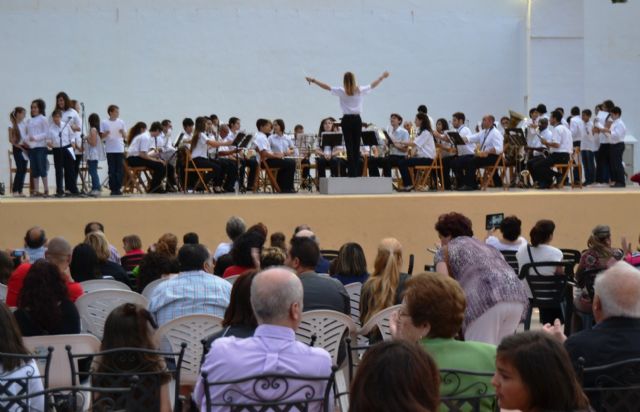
[349, 83]
[382, 285]
[98, 241]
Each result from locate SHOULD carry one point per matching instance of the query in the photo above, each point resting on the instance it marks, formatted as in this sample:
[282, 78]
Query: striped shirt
[189, 293]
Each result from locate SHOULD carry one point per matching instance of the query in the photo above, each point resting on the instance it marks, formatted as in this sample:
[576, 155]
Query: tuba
[513, 154]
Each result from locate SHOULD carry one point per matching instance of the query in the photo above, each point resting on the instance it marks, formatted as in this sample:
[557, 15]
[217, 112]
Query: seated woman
[631, 257]
[16, 372]
[425, 150]
[141, 143]
[272, 256]
[154, 266]
[351, 265]
[44, 307]
[496, 299]
[509, 238]
[200, 144]
[534, 373]
[245, 252]
[395, 361]
[84, 263]
[132, 326]
[132, 246]
[540, 250]
[385, 286]
[108, 269]
[432, 314]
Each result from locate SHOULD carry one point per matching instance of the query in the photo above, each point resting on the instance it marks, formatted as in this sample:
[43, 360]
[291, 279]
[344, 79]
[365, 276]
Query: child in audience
[631, 257]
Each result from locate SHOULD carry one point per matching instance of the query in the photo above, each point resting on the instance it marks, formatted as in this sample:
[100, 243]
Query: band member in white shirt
[560, 145]
[200, 144]
[59, 138]
[246, 162]
[425, 150]
[113, 132]
[37, 131]
[138, 155]
[396, 151]
[535, 148]
[601, 122]
[490, 144]
[447, 150]
[17, 134]
[465, 152]
[287, 167]
[184, 138]
[324, 155]
[351, 97]
[616, 133]
[588, 148]
[94, 152]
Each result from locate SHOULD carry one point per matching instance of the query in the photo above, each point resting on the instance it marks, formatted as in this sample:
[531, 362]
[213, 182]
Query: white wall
[161, 58]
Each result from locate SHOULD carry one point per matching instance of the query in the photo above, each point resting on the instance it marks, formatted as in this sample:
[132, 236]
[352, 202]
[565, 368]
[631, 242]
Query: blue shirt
[189, 293]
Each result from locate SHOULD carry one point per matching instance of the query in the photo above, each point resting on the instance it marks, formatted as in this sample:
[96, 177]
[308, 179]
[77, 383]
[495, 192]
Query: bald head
[617, 292]
[276, 297]
[35, 238]
[59, 252]
[307, 233]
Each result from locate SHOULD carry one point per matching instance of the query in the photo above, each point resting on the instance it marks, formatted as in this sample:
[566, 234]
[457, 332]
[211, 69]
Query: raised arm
[379, 80]
[311, 80]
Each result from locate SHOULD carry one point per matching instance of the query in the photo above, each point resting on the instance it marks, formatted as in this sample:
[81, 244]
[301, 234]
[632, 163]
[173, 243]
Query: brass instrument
[515, 118]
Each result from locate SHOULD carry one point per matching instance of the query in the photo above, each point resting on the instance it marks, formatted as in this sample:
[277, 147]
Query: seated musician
[162, 147]
[490, 145]
[140, 144]
[535, 148]
[465, 152]
[287, 167]
[334, 158]
[200, 144]
[229, 169]
[560, 145]
[227, 158]
[447, 150]
[425, 150]
[397, 151]
[245, 161]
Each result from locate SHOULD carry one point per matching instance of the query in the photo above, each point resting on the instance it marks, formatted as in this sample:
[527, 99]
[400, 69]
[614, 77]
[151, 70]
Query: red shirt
[14, 285]
[235, 270]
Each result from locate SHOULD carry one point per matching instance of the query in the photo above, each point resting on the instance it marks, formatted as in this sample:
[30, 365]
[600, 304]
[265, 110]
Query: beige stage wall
[335, 219]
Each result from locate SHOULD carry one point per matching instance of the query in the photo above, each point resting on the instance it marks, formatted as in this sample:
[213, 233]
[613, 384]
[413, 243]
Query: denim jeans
[92, 165]
[589, 165]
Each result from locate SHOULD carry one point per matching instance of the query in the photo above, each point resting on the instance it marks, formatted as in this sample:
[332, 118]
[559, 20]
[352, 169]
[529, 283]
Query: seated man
[397, 151]
[561, 146]
[490, 144]
[287, 167]
[276, 298]
[195, 290]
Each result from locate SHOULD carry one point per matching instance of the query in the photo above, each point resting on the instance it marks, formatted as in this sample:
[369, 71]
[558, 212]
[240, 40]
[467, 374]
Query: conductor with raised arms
[351, 96]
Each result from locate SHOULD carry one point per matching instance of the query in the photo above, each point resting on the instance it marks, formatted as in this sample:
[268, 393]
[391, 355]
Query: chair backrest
[612, 387]
[462, 390]
[102, 284]
[23, 380]
[81, 343]
[572, 255]
[190, 329]
[270, 392]
[381, 321]
[3, 292]
[588, 278]
[354, 289]
[232, 279]
[329, 254]
[120, 367]
[511, 259]
[325, 329]
[411, 262]
[546, 290]
[94, 307]
[151, 286]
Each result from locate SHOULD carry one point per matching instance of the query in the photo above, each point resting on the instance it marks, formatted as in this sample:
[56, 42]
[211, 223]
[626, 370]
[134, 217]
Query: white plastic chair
[191, 329]
[102, 284]
[60, 370]
[326, 329]
[3, 292]
[232, 279]
[381, 321]
[354, 289]
[94, 307]
[148, 290]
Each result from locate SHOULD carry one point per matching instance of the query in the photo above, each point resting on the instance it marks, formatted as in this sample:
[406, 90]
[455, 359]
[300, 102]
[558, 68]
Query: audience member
[194, 290]
[6, 267]
[14, 369]
[496, 298]
[234, 228]
[631, 257]
[239, 320]
[272, 256]
[84, 263]
[533, 373]
[132, 246]
[108, 269]
[44, 307]
[222, 264]
[276, 298]
[191, 238]
[351, 265]
[323, 264]
[154, 266]
[432, 314]
[35, 243]
[245, 253]
[386, 285]
[510, 239]
[278, 240]
[320, 291]
[114, 256]
[395, 376]
[167, 245]
[132, 326]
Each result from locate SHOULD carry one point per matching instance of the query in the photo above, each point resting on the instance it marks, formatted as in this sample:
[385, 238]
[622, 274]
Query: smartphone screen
[494, 220]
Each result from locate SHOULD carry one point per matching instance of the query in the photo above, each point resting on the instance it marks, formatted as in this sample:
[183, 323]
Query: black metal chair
[548, 291]
[72, 398]
[329, 254]
[411, 261]
[270, 392]
[468, 391]
[127, 365]
[354, 354]
[510, 257]
[614, 387]
[572, 255]
[15, 387]
[586, 280]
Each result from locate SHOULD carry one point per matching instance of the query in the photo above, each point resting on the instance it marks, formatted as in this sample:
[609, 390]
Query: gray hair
[619, 291]
[235, 227]
[58, 250]
[273, 291]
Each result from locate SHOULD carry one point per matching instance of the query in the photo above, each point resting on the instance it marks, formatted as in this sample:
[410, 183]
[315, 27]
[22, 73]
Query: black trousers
[252, 164]
[406, 163]
[352, 132]
[158, 170]
[460, 167]
[374, 165]
[615, 163]
[216, 176]
[21, 170]
[477, 163]
[446, 171]
[285, 174]
[230, 171]
[603, 167]
[115, 162]
[542, 172]
[337, 165]
[65, 167]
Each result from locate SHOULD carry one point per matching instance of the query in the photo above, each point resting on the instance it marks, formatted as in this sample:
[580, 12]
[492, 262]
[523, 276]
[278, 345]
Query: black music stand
[369, 138]
[516, 136]
[241, 141]
[455, 138]
[331, 139]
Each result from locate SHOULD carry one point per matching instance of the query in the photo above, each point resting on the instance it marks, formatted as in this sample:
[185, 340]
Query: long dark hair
[239, 311]
[94, 121]
[137, 128]
[67, 102]
[200, 127]
[10, 339]
[425, 123]
[15, 130]
[84, 263]
[351, 260]
[545, 368]
[42, 291]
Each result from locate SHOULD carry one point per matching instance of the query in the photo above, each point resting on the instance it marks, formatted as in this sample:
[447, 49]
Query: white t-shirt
[22, 127]
[261, 142]
[280, 143]
[589, 141]
[496, 243]
[222, 249]
[29, 370]
[140, 144]
[351, 104]
[201, 148]
[469, 148]
[38, 129]
[562, 135]
[541, 253]
[113, 142]
[400, 134]
[59, 135]
[488, 139]
[618, 132]
[426, 145]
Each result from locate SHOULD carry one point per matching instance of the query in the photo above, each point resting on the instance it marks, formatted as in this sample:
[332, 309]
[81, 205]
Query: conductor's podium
[356, 185]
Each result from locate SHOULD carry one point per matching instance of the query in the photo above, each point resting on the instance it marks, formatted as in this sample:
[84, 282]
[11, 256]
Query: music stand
[331, 139]
[369, 138]
[455, 138]
[305, 143]
[241, 141]
[516, 136]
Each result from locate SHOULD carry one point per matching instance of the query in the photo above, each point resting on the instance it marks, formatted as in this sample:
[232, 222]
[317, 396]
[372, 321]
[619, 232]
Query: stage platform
[336, 219]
